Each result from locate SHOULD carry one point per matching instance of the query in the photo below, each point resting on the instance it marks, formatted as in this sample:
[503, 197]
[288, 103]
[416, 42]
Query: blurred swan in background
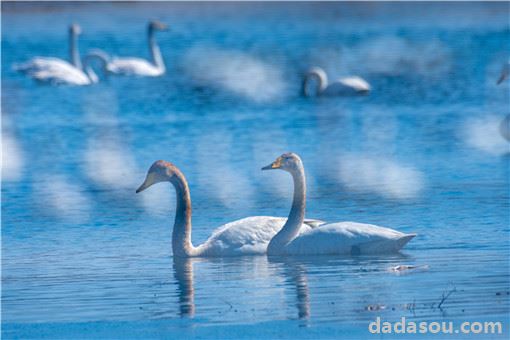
[341, 238]
[504, 126]
[58, 71]
[504, 73]
[247, 236]
[347, 86]
[139, 66]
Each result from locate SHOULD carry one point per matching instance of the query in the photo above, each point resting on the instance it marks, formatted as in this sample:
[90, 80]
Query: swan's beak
[161, 26]
[275, 165]
[149, 180]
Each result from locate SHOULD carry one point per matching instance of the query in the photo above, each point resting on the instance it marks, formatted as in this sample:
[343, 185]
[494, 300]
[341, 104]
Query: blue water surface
[84, 256]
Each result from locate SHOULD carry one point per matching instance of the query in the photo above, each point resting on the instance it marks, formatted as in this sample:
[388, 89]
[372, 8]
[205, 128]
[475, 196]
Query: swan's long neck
[73, 50]
[321, 77]
[181, 236]
[89, 71]
[157, 59]
[297, 213]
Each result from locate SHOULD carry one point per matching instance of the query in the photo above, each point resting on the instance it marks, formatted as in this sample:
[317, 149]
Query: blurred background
[421, 153]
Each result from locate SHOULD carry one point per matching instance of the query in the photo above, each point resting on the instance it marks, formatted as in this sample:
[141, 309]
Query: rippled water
[421, 153]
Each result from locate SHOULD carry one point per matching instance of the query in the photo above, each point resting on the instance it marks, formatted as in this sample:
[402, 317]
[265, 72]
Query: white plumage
[347, 238]
[54, 71]
[347, 86]
[134, 67]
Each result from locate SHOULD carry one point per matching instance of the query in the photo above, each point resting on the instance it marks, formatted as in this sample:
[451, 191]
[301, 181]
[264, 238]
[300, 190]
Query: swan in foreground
[58, 71]
[347, 86]
[139, 66]
[342, 238]
[247, 236]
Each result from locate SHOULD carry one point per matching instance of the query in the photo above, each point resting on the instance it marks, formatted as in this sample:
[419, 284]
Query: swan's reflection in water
[278, 287]
[183, 273]
[12, 154]
[294, 273]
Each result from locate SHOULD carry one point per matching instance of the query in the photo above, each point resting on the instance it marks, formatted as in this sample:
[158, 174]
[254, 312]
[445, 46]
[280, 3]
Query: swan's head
[288, 161]
[157, 26]
[160, 171]
[504, 73]
[75, 29]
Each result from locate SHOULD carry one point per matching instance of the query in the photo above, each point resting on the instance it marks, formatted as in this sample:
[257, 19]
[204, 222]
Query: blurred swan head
[157, 26]
[75, 29]
[288, 162]
[159, 171]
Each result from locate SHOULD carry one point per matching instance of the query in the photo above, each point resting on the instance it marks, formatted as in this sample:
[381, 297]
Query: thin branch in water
[446, 295]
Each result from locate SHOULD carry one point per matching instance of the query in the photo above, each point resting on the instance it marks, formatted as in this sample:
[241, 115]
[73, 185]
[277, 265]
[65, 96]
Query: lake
[84, 256]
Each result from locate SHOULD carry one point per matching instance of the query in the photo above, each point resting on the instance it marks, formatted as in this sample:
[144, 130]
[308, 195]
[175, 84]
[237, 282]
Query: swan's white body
[58, 71]
[55, 71]
[346, 238]
[139, 66]
[134, 66]
[247, 236]
[347, 86]
[343, 238]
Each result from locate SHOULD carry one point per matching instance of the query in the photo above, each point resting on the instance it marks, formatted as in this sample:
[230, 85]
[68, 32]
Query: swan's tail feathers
[313, 223]
[401, 242]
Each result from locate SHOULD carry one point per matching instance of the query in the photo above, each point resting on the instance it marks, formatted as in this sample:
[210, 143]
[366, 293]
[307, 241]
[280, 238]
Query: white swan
[340, 238]
[58, 71]
[347, 86]
[247, 236]
[139, 66]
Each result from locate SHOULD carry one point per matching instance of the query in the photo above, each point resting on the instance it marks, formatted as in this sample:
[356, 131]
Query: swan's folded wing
[347, 86]
[349, 238]
[249, 235]
[354, 82]
[44, 64]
